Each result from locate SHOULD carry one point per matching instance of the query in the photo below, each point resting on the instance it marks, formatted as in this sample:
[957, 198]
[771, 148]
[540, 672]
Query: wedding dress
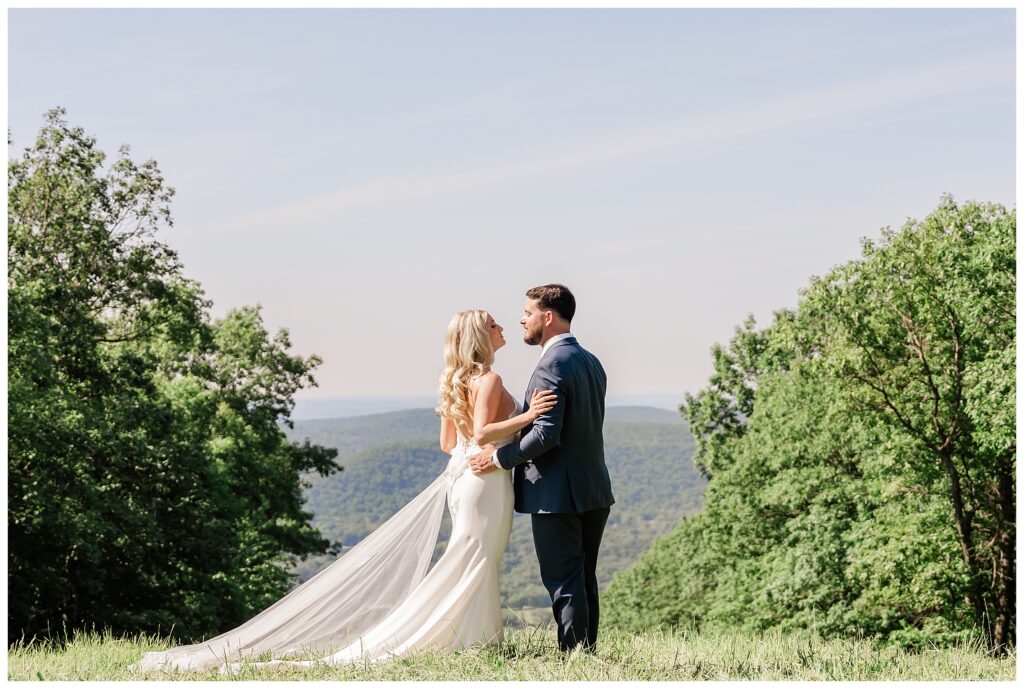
[378, 601]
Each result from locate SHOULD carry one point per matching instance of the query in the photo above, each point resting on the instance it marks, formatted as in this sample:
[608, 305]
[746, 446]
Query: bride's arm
[448, 437]
[488, 399]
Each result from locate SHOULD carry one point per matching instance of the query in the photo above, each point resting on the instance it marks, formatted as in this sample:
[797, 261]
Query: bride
[379, 601]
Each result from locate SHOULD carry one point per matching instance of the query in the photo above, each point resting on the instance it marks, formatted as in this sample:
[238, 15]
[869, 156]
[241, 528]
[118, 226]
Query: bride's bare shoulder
[486, 383]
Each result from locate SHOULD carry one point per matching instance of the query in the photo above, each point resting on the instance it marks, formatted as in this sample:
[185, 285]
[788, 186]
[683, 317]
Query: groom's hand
[482, 463]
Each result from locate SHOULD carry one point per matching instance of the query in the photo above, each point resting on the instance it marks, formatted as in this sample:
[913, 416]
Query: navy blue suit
[560, 477]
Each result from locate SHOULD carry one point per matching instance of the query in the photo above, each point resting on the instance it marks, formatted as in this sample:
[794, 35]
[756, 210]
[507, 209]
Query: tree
[923, 332]
[150, 484]
[861, 452]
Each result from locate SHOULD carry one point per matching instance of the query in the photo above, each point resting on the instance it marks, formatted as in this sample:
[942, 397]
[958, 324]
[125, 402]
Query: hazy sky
[363, 174]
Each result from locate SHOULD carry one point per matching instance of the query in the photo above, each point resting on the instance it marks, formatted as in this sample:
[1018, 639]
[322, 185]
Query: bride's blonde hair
[468, 353]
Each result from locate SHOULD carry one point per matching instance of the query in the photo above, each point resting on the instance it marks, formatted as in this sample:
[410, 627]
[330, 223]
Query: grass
[529, 654]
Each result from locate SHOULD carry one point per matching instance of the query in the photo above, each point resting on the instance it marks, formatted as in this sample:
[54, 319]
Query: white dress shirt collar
[553, 340]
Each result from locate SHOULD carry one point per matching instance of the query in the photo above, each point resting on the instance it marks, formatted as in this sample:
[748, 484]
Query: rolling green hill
[388, 458]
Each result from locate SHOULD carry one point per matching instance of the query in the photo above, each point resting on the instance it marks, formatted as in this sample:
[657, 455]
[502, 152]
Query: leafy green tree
[923, 333]
[150, 484]
[861, 453]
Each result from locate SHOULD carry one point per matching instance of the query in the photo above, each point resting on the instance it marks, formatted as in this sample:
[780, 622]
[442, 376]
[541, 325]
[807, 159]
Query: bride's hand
[541, 402]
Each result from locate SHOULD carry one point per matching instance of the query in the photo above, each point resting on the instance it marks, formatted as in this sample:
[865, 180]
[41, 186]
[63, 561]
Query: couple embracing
[379, 601]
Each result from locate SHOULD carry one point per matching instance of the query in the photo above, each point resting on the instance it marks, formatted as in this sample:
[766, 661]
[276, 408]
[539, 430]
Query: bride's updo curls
[468, 353]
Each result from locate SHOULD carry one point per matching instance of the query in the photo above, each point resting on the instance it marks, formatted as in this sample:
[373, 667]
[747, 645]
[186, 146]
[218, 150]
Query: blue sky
[363, 174]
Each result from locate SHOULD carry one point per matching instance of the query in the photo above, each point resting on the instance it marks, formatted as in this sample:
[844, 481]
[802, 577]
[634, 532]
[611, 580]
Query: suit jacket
[558, 462]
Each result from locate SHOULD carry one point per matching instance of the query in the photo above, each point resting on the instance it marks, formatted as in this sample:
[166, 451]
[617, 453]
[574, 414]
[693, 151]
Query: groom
[560, 477]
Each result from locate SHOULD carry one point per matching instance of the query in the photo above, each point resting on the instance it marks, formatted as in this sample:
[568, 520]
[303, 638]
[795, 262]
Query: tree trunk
[965, 529]
[1004, 633]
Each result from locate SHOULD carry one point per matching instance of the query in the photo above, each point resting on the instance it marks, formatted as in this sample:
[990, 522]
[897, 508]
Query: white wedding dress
[379, 601]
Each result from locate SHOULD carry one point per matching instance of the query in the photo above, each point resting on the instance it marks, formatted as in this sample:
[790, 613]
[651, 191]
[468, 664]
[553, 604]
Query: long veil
[340, 603]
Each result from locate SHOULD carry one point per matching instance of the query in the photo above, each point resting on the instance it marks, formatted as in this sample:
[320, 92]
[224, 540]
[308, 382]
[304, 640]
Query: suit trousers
[567, 546]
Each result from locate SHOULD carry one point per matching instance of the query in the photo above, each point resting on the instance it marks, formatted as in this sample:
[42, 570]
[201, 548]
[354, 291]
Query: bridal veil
[337, 605]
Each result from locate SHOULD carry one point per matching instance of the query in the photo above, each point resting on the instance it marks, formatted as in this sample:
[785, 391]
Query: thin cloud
[898, 88]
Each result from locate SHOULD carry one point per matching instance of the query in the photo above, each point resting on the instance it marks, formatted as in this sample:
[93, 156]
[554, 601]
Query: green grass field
[528, 654]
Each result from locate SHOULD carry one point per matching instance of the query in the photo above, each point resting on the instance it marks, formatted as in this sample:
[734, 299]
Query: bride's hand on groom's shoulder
[483, 462]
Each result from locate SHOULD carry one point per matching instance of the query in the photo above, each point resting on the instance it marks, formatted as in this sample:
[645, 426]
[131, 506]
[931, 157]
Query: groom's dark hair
[555, 297]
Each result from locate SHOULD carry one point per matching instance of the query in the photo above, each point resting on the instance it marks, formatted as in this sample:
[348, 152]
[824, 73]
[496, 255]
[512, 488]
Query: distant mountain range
[341, 407]
[389, 458]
